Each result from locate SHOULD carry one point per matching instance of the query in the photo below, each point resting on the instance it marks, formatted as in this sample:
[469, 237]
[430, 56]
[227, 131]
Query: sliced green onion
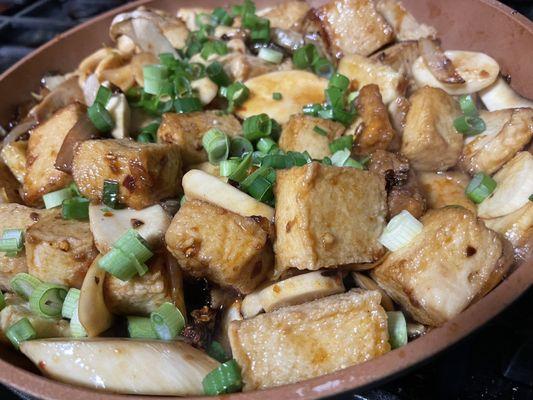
[224, 379]
[227, 167]
[299, 159]
[12, 241]
[305, 56]
[339, 81]
[217, 145]
[277, 161]
[168, 60]
[215, 72]
[76, 328]
[156, 80]
[257, 126]
[277, 96]
[350, 162]
[257, 158]
[74, 189]
[155, 72]
[260, 188]
[187, 104]
[261, 32]
[312, 109]
[241, 172]
[100, 118]
[469, 126]
[480, 187]
[322, 67]
[320, 131]
[400, 231]
[239, 146]
[182, 86]
[20, 331]
[531, 197]
[110, 193]
[183, 200]
[24, 284]
[216, 351]
[145, 137]
[468, 106]
[103, 95]
[236, 93]
[213, 47]
[270, 55]
[47, 299]
[141, 328]
[327, 161]
[148, 133]
[55, 199]
[119, 264]
[397, 327]
[221, 17]
[344, 142]
[167, 321]
[133, 244]
[335, 97]
[2, 301]
[70, 303]
[265, 145]
[340, 157]
[247, 7]
[76, 208]
[352, 96]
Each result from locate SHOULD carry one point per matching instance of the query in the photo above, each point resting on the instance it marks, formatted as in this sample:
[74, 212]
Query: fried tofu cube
[311, 339]
[507, 132]
[299, 134]
[405, 26]
[43, 147]
[285, 15]
[354, 27]
[328, 216]
[9, 186]
[58, 250]
[14, 156]
[430, 141]
[224, 247]
[146, 172]
[446, 189]
[15, 216]
[446, 266]
[143, 294]
[187, 130]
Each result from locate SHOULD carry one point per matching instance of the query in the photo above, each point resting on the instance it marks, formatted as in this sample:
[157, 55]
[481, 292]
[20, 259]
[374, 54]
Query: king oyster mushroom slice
[500, 95]
[367, 283]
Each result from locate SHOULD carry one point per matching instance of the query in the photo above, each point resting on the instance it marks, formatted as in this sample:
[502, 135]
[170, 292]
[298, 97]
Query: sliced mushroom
[123, 365]
[202, 186]
[367, 283]
[500, 95]
[120, 111]
[108, 225]
[439, 65]
[89, 63]
[92, 310]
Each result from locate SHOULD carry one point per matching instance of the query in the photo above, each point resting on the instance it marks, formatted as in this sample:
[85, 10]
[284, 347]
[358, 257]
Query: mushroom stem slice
[440, 66]
[500, 95]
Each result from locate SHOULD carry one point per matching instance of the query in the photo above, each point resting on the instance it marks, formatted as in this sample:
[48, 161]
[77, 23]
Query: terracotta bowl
[482, 25]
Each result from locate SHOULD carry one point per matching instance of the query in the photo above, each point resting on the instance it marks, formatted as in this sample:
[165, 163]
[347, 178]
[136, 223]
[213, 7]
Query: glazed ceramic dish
[460, 25]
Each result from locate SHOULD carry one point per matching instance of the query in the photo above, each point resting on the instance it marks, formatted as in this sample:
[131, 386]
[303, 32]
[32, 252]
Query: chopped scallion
[270, 55]
[24, 284]
[141, 328]
[320, 131]
[110, 193]
[76, 208]
[215, 72]
[187, 104]
[217, 145]
[70, 303]
[216, 351]
[400, 231]
[468, 106]
[397, 327]
[167, 321]
[226, 378]
[2, 301]
[469, 126]
[236, 93]
[240, 145]
[344, 142]
[277, 96]
[305, 56]
[221, 17]
[213, 47]
[12, 241]
[20, 331]
[47, 299]
[265, 145]
[100, 117]
[480, 187]
[103, 95]
[55, 199]
[257, 126]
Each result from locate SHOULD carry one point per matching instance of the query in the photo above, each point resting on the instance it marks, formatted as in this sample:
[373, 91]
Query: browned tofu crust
[146, 172]
[328, 216]
[286, 15]
[311, 339]
[58, 250]
[45, 142]
[446, 189]
[187, 130]
[354, 26]
[229, 249]
[15, 216]
[430, 141]
[299, 135]
[439, 273]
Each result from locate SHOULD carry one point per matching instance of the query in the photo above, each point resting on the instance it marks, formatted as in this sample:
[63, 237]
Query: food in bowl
[235, 199]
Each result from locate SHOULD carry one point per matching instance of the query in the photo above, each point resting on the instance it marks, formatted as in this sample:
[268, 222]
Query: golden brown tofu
[285, 15]
[354, 26]
[58, 250]
[299, 134]
[187, 130]
[439, 273]
[377, 132]
[9, 186]
[508, 131]
[446, 189]
[143, 294]
[328, 216]
[405, 26]
[45, 142]
[14, 156]
[146, 173]
[15, 216]
[430, 141]
[16, 309]
[311, 339]
[228, 249]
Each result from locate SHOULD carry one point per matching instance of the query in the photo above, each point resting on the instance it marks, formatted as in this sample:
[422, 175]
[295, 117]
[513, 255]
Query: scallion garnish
[400, 231]
[257, 126]
[55, 199]
[469, 126]
[239, 146]
[468, 106]
[322, 67]
[344, 142]
[227, 167]
[265, 145]
[312, 109]
[47, 299]
[221, 17]
[100, 117]
[70, 303]
[259, 184]
[217, 145]
[270, 55]
[187, 104]
[236, 93]
[277, 96]
[339, 81]
[224, 379]
[167, 321]
[156, 79]
[20, 331]
[103, 95]
[2, 301]
[12, 242]
[241, 171]
[215, 72]
[211, 47]
[24, 284]
[110, 193]
[340, 157]
[216, 351]
[76, 328]
[397, 327]
[320, 131]
[148, 133]
[141, 328]
[76, 208]
[480, 187]
[305, 56]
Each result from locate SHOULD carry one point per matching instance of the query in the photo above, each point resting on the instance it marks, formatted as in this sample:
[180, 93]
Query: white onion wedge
[202, 186]
[108, 225]
[477, 69]
[123, 365]
[500, 95]
[514, 185]
[93, 313]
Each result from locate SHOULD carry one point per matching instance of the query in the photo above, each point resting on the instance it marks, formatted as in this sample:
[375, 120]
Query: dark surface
[494, 363]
